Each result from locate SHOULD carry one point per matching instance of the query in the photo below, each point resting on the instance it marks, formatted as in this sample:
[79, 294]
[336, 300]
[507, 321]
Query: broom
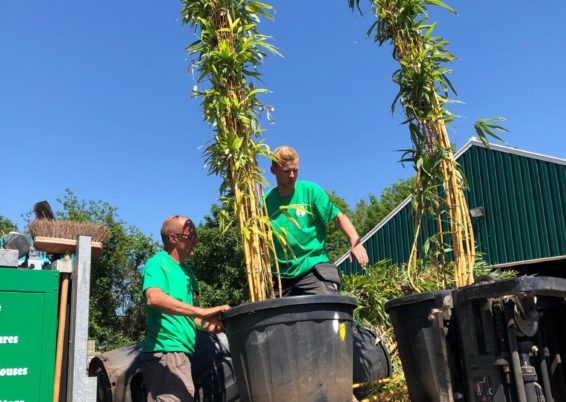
[60, 237]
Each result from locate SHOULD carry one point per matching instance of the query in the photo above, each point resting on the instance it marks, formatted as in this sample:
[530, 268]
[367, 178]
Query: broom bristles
[68, 229]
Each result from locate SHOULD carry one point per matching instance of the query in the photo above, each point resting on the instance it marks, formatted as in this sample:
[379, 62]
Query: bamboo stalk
[272, 247]
[438, 252]
[228, 27]
[412, 264]
[240, 216]
[436, 133]
[255, 239]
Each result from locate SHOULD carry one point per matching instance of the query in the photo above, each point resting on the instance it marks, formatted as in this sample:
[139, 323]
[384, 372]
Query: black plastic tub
[421, 323]
[293, 349]
[371, 360]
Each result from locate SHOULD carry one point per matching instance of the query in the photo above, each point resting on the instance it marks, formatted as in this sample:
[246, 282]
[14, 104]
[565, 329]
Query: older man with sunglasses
[173, 314]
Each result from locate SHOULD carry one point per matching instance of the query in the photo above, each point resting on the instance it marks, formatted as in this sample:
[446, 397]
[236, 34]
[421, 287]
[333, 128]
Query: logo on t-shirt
[300, 212]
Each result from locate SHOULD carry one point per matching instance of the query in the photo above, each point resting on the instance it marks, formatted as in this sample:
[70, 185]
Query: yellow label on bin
[342, 331]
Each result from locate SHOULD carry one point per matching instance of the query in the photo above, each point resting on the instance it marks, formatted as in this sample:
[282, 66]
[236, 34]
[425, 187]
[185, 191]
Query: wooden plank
[62, 246]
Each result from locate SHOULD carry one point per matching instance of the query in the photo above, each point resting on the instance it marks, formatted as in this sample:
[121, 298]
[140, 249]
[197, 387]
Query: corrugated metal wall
[524, 200]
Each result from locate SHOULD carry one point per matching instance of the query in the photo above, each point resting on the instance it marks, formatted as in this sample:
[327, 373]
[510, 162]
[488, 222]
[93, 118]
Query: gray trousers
[319, 280]
[167, 377]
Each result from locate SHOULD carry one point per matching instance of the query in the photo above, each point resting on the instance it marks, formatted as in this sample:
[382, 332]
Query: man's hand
[212, 325]
[212, 312]
[210, 319]
[358, 251]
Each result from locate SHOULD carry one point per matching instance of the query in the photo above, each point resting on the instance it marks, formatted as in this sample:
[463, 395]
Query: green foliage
[219, 264]
[383, 282]
[336, 243]
[6, 226]
[226, 55]
[116, 315]
[379, 284]
[370, 213]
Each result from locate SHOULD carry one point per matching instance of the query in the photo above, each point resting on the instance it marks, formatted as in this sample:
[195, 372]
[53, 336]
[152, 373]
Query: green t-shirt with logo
[304, 227]
[169, 333]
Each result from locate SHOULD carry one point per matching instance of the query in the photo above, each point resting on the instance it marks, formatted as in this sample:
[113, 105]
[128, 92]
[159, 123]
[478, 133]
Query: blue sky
[96, 97]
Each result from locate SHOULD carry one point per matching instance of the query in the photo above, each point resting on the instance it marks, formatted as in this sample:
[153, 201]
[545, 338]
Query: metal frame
[488, 341]
[80, 388]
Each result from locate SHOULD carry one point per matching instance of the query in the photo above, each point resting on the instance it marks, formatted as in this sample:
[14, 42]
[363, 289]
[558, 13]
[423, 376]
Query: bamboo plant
[226, 54]
[424, 90]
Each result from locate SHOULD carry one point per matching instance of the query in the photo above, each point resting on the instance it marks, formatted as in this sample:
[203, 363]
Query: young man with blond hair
[299, 212]
[173, 314]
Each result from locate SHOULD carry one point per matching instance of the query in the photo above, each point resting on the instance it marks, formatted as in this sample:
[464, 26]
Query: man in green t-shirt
[299, 212]
[173, 314]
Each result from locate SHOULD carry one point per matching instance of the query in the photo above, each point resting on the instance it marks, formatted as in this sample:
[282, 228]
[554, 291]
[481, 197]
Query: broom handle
[61, 335]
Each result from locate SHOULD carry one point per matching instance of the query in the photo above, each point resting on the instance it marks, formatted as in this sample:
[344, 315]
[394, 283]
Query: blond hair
[284, 154]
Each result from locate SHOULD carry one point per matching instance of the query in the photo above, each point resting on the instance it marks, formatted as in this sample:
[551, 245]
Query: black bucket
[371, 360]
[421, 325]
[293, 349]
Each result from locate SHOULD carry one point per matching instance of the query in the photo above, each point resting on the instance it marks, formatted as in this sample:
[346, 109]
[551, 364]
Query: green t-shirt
[305, 246]
[169, 333]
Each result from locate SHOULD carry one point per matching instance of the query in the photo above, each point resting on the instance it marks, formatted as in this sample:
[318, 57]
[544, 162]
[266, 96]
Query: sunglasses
[190, 236]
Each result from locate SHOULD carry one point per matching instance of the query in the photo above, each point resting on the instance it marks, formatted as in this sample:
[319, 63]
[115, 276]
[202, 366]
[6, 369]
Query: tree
[370, 213]
[6, 226]
[336, 242]
[219, 263]
[116, 315]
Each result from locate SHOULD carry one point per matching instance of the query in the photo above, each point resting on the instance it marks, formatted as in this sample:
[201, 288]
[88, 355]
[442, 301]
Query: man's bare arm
[356, 247]
[160, 301]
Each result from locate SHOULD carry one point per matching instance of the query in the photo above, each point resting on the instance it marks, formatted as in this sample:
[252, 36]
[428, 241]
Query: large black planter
[421, 325]
[499, 341]
[293, 349]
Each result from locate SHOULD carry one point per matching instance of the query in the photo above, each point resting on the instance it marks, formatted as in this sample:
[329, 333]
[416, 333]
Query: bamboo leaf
[429, 30]
[442, 5]
[290, 218]
[299, 207]
[483, 128]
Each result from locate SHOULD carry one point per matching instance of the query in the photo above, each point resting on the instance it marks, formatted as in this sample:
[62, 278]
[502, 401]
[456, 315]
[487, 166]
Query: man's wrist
[355, 243]
[199, 313]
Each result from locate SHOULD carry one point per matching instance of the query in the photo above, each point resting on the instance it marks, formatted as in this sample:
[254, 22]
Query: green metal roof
[523, 195]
